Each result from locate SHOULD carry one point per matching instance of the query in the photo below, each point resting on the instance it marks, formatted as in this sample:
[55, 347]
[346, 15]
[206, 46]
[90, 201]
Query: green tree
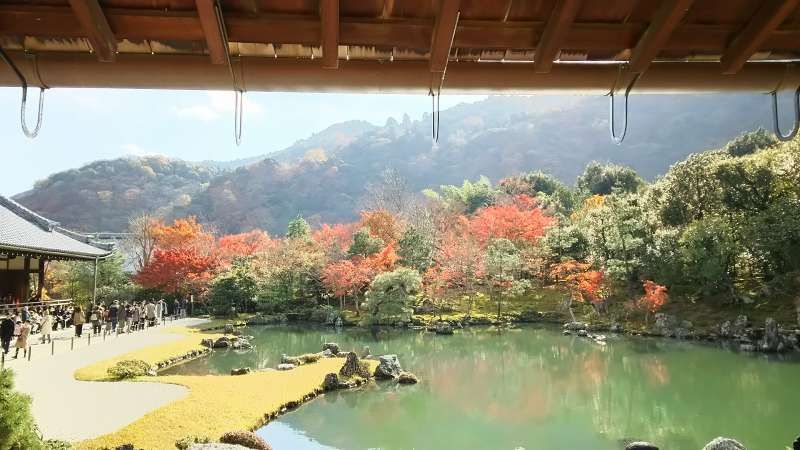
[550, 191]
[76, 279]
[603, 179]
[467, 198]
[749, 143]
[503, 269]
[364, 244]
[416, 250]
[235, 288]
[17, 428]
[708, 253]
[566, 240]
[298, 229]
[390, 295]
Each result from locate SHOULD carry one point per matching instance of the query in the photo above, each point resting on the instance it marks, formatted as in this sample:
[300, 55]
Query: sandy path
[73, 410]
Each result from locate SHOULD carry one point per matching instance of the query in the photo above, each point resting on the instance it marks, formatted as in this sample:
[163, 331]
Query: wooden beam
[556, 29]
[665, 21]
[211, 22]
[444, 30]
[329, 16]
[766, 20]
[96, 28]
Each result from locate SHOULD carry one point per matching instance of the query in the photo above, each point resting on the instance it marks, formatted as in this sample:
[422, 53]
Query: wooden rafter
[444, 30]
[96, 28]
[329, 16]
[766, 20]
[666, 20]
[556, 29]
[213, 25]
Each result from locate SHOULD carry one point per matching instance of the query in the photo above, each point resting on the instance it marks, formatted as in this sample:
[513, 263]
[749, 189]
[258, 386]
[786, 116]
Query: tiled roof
[24, 231]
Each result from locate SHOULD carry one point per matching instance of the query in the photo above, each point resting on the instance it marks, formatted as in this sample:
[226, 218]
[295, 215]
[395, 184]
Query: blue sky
[83, 125]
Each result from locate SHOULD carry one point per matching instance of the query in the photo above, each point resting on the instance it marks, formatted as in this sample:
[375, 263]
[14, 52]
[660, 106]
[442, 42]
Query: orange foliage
[182, 233]
[583, 283]
[518, 221]
[178, 270]
[346, 278]
[384, 260]
[383, 224]
[335, 239]
[655, 295]
[243, 244]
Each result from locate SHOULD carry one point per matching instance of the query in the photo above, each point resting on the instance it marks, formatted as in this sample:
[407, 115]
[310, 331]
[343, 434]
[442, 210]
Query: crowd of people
[116, 317]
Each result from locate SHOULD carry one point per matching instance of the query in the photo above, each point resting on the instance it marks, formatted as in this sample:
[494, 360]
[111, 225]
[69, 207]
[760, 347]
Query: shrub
[128, 369]
[187, 441]
[17, 428]
[55, 444]
[246, 439]
[309, 358]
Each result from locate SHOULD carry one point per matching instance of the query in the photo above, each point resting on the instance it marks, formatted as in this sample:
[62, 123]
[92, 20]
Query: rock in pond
[574, 326]
[327, 353]
[583, 333]
[722, 443]
[443, 328]
[217, 446]
[640, 446]
[773, 341]
[222, 342]
[388, 367]
[207, 343]
[332, 346]
[352, 366]
[228, 328]
[240, 371]
[331, 382]
[285, 366]
[407, 378]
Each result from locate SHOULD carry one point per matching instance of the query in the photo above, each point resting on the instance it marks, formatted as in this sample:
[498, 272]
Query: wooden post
[3, 360]
[72, 343]
[94, 288]
[52, 347]
[27, 289]
[30, 351]
[40, 284]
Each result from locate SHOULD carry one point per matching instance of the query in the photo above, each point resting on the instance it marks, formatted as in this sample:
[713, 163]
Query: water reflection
[536, 389]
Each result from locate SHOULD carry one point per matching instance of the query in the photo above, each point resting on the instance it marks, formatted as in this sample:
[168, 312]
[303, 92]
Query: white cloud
[219, 103]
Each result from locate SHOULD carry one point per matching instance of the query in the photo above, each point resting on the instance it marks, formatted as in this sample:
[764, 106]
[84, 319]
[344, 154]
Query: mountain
[101, 196]
[324, 176]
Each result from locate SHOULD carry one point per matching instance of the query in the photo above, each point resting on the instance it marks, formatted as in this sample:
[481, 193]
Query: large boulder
[739, 326]
[240, 371]
[228, 328]
[665, 324]
[640, 445]
[222, 342]
[332, 346]
[207, 343]
[353, 367]
[388, 367]
[407, 378]
[722, 443]
[245, 438]
[331, 382]
[772, 341]
[286, 366]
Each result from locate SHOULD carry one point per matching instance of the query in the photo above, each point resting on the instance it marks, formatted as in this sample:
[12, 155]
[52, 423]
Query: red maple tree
[519, 220]
[655, 296]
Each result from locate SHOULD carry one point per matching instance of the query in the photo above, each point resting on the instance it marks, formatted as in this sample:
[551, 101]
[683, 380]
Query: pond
[531, 388]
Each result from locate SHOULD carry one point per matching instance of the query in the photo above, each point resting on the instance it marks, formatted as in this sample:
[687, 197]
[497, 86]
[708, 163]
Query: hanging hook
[612, 111]
[775, 119]
[24, 83]
[435, 113]
[237, 119]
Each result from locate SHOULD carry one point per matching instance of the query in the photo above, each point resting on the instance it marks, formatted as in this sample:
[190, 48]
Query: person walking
[113, 315]
[6, 332]
[78, 319]
[22, 339]
[122, 319]
[46, 327]
[134, 317]
[95, 319]
[150, 311]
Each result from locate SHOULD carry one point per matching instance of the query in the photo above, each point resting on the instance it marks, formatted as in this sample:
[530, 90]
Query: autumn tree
[503, 267]
[583, 283]
[347, 278]
[655, 295]
[382, 224]
[240, 245]
[364, 244]
[335, 239]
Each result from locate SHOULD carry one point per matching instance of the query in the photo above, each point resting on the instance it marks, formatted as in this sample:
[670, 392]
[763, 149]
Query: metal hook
[612, 113]
[435, 113]
[775, 119]
[237, 119]
[24, 83]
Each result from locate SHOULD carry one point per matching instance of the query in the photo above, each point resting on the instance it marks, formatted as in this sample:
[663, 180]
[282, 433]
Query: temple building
[27, 242]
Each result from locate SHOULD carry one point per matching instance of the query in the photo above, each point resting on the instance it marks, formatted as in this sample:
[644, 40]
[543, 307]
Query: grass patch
[217, 404]
[190, 340]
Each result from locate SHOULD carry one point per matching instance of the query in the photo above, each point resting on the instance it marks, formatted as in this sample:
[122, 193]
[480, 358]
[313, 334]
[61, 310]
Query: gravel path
[73, 410]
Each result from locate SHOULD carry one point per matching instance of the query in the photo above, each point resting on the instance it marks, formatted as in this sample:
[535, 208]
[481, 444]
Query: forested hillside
[325, 177]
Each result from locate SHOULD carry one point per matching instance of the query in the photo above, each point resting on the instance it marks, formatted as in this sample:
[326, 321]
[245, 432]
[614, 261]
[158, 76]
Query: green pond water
[532, 388]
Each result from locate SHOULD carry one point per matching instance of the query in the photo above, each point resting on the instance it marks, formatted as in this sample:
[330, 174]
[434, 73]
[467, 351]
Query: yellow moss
[217, 404]
[189, 341]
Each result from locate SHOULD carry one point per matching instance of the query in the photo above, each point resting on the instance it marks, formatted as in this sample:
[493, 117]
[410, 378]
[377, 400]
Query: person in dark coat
[6, 332]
